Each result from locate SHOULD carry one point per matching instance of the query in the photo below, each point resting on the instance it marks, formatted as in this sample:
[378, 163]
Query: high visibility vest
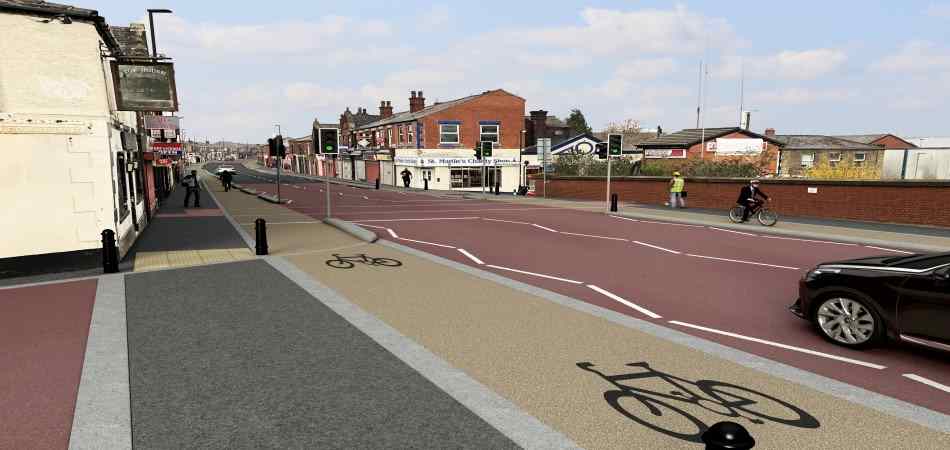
[678, 184]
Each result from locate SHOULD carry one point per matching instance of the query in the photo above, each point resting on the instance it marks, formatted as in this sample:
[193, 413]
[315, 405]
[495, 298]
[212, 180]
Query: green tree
[577, 122]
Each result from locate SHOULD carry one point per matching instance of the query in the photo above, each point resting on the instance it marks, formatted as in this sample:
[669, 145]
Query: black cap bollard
[613, 202]
[110, 253]
[425, 183]
[377, 183]
[727, 436]
[260, 236]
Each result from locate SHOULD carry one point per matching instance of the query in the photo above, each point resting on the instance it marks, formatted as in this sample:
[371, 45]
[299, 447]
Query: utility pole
[280, 144]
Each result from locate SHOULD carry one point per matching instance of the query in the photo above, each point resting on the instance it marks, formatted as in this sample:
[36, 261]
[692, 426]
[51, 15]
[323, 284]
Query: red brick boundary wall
[909, 202]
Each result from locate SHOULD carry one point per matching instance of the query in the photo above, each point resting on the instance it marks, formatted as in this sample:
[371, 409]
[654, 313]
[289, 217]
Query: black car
[859, 302]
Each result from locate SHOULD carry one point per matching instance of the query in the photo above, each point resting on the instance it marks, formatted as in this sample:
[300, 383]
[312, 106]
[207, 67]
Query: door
[924, 306]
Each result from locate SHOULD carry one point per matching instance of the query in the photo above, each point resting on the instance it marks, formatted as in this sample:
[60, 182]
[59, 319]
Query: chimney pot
[770, 132]
[413, 94]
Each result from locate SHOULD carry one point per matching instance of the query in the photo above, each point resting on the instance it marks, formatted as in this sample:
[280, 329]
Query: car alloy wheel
[847, 321]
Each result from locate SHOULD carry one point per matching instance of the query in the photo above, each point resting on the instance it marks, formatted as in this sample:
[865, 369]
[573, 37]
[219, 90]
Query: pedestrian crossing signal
[486, 148]
[615, 144]
[329, 141]
[478, 150]
[601, 150]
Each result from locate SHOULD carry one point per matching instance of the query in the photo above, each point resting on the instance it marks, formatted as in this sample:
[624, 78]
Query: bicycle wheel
[340, 264]
[386, 262]
[757, 404]
[735, 214]
[767, 217]
[679, 424]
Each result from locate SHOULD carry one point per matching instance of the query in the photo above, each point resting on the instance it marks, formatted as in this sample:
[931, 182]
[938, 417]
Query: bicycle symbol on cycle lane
[671, 409]
[349, 262]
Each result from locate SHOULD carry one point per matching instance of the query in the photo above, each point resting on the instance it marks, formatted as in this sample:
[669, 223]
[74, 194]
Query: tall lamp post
[520, 151]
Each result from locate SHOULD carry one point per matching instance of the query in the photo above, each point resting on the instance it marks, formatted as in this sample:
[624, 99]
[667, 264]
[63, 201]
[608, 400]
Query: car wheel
[848, 320]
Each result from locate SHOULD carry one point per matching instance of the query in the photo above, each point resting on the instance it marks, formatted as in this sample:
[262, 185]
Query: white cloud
[800, 96]
[646, 69]
[915, 57]
[787, 64]
[939, 10]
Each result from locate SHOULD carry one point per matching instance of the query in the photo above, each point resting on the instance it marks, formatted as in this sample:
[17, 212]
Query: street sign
[615, 144]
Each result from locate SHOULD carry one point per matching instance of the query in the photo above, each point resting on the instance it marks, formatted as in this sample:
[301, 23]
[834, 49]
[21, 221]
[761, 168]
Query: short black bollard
[110, 253]
[377, 183]
[727, 435]
[260, 236]
[613, 202]
[425, 184]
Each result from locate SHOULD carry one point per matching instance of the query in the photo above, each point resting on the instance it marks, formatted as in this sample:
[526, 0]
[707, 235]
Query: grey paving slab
[238, 356]
[102, 417]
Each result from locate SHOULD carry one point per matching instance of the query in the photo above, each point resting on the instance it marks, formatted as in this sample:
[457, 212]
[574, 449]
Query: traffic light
[601, 150]
[271, 147]
[615, 144]
[478, 150]
[329, 141]
[275, 146]
[486, 148]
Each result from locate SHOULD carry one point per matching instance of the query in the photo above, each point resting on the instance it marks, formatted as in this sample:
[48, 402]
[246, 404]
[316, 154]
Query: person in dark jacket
[226, 178]
[406, 177]
[193, 188]
[748, 197]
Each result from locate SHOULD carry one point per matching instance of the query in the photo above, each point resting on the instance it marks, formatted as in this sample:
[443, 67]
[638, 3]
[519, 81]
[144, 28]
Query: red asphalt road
[43, 332]
[744, 299]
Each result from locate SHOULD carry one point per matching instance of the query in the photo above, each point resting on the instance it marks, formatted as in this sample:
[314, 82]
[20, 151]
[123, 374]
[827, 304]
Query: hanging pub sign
[144, 86]
[162, 122]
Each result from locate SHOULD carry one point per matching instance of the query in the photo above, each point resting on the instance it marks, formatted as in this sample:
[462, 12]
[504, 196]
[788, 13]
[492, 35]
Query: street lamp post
[280, 161]
[151, 27]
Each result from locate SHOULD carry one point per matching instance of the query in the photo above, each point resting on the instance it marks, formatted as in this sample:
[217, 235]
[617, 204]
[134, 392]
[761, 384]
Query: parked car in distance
[222, 169]
[860, 302]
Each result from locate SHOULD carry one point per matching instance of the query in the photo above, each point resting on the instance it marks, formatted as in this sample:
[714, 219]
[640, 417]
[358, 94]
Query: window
[834, 158]
[472, 177]
[120, 177]
[389, 136]
[448, 133]
[859, 159]
[488, 133]
[410, 133]
[808, 160]
[401, 132]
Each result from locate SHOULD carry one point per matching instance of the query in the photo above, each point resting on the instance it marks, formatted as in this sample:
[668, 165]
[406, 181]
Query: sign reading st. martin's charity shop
[145, 86]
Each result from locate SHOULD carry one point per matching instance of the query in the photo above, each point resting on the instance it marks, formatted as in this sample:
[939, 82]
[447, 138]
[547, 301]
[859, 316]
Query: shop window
[448, 133]
[472, 177]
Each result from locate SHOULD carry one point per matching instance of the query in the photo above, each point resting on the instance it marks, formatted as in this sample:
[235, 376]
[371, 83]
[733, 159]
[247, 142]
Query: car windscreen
[924, 262]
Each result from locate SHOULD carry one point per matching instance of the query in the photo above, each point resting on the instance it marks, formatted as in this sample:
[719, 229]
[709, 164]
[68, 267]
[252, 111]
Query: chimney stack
[539, 126]
[416, 101]
[770, 132]
[385, 109]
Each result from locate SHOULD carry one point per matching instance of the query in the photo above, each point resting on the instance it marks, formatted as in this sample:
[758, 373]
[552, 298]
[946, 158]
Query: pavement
[333, 342]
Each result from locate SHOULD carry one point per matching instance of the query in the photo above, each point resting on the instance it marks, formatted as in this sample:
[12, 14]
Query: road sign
[615, 144]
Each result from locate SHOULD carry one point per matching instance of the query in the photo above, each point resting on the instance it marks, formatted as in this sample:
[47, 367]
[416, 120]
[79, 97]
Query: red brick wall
[922, 203]
[496, 105]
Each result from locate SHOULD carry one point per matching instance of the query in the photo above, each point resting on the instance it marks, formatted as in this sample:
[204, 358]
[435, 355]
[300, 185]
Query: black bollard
[260, 236]
[498, 188]
[110, 253]
[727, 435]
[377, 183]
[613, 202]
[425, 184]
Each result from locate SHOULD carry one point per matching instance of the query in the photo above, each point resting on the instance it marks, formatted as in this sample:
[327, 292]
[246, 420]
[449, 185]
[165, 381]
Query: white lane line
[427, 243]
[784, 346]
[595, 236]
[341, 194]
[370, 226]
[809, 240]
[744, 262]
[889, 250]
[506, 221]
[544, 228]
[928, 382]
[470, 256]
[392, 233]
[417, 220]
[732, 231]
[365, 198]
[534, 274]
[657, 247]
[625, 218]
[673, 224]
[613, 296]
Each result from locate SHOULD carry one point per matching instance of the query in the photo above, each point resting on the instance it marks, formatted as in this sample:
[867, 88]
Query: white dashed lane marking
[541, 275]
[617, 298]
[928, 382]
[744, 262]
[471, 256]
[657, 247]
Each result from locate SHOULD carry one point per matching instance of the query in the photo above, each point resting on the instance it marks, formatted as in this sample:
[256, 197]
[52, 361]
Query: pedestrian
[406, 177]
[191, 184]
[677, 191]
[226, 178]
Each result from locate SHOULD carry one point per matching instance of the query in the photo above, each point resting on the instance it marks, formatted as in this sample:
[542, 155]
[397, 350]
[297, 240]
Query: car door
[924, 306]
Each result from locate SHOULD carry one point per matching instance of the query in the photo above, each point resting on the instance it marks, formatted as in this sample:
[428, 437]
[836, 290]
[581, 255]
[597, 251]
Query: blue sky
[810, 67]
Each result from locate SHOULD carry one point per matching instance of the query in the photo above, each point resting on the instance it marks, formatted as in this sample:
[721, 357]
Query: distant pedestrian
[677, 191]
[191, 184]
[406, 177]
[226, 178]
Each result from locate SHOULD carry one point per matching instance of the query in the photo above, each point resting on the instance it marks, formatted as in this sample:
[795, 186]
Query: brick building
[718, 144]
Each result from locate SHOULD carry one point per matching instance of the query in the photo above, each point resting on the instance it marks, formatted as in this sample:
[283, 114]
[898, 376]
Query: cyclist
[747, 198]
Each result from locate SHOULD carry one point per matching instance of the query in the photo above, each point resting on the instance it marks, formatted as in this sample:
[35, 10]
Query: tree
[577, 123]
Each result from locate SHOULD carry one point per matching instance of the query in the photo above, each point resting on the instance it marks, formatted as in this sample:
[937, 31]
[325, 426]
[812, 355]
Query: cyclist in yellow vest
[677, 191]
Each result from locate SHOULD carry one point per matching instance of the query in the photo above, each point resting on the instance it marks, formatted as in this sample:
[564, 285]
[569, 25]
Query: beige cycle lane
[527, 349]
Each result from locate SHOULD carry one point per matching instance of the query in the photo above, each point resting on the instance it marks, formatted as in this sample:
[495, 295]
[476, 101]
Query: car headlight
[813, 274]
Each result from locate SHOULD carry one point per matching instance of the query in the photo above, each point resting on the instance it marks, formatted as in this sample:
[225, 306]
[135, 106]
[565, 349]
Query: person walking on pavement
[226, 178]
[677, 191]
[406, 177]
[747, 198]
[191, 184]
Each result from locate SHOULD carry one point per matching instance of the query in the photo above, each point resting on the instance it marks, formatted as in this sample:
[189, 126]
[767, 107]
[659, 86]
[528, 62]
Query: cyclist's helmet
[754, 181]
[676, 174]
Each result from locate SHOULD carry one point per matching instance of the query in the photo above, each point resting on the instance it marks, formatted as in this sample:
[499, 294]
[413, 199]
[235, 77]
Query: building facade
[717, 144]
[819, 156]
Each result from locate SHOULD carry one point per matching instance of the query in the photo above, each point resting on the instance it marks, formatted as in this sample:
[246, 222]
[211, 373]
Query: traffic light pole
[608, 181]
[484, 177]
[326, 177]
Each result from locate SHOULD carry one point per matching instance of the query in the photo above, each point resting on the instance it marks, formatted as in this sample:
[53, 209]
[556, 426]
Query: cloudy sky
[809, 66]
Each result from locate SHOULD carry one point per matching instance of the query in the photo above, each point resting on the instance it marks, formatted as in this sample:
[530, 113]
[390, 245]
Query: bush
[701, 168]
[589, 165]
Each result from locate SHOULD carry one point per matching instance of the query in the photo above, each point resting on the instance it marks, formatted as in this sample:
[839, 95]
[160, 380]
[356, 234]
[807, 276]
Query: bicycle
[347, 262]
[715, 396]
[760, 211]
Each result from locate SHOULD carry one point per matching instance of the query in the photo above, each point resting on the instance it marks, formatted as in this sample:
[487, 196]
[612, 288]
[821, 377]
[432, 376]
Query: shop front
[452, 172]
